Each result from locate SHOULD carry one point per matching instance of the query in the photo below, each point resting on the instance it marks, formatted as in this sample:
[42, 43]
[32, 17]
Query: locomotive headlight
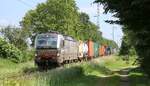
[35, 55]
[58, 54]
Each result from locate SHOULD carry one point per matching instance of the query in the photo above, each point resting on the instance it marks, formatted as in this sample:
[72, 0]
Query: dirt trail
[124, 79]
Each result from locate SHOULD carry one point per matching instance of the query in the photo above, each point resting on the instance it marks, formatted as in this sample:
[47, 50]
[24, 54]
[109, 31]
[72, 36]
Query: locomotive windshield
[46, 41]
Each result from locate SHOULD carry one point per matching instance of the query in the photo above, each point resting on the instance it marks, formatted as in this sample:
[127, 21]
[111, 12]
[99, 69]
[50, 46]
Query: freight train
[53, 48]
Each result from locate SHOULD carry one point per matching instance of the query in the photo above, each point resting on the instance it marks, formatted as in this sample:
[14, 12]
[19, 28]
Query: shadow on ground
[124, 77]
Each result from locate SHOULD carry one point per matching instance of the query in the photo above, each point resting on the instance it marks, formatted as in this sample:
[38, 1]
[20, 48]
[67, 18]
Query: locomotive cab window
[46, 41]
[62, 43]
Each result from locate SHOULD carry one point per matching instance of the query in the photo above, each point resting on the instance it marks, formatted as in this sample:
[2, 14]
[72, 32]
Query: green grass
[8, 68]
[78, 74]
[69, 76]
[138, 78]
[117, 63]
[99, 72]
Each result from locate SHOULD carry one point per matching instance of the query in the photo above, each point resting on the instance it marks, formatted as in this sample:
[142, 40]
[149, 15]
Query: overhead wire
[23, 2]
[26, 4]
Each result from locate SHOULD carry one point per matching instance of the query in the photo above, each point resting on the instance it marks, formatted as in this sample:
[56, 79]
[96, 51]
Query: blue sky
[12, 11]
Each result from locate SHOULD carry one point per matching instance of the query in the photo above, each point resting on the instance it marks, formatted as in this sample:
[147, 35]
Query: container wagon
[102, 50]
[108, 50]
[83, 50]
[90, 49]
[96, 49]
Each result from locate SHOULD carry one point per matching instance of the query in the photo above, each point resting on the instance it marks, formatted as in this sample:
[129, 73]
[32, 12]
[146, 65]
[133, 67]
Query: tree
[61, 16]
[88, 30]
[135, 15]
[57, 15]
[15, 36]
[126, 47]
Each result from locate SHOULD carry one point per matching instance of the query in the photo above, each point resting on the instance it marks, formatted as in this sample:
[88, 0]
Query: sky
[12, 11]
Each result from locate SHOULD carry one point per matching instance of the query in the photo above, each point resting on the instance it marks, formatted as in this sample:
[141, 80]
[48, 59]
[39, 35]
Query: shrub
[9, 51]
[28, 55]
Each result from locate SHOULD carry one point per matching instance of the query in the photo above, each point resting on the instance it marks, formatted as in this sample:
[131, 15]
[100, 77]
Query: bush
[9, 51]
[28, 55]
[15, 36]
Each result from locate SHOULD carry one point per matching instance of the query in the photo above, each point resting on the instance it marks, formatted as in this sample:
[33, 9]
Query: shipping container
[85, 50]
[102, 50]
[108, 50]
[90, 49]
[99, 50]
[105, 52]
[96, 50]
[81, 49]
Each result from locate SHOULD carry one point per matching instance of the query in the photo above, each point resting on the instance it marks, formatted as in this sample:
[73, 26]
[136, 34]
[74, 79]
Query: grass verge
[98, 72]
[9, 68]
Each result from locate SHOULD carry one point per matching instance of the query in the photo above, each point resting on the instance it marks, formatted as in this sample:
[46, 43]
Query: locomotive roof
[57, 33]
[49, 33]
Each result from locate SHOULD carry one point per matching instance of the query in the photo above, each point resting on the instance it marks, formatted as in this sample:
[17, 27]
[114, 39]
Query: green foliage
[9, 51]
[28, 55]
[87, 30]
[15, 36]
[126, 47]
[134, 14]
[15, 48]
[56, 15]
[61, 16]
[111, 43]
